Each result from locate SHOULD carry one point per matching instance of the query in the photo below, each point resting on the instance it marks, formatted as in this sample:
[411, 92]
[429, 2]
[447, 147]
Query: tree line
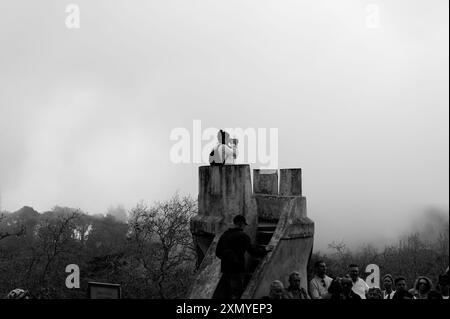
[151, 252]
[151, 255]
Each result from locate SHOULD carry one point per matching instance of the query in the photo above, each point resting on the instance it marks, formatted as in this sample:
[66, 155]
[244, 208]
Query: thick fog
[86, 114]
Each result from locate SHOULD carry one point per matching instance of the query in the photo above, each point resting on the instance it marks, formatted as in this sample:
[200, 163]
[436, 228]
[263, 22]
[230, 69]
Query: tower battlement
[276, 213]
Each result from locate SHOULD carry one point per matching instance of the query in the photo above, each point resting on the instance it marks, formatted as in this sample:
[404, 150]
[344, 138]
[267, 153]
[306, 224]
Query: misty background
[86, 114]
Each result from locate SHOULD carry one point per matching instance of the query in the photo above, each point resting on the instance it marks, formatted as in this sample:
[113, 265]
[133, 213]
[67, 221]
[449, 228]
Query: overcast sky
[86, 114]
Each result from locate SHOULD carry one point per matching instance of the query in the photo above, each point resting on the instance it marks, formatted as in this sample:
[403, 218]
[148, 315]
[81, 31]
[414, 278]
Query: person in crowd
[374, 293]
[277, 291]
[388, 284]
[441, 290]
[443, 286]
[295, 291]
[422, 287]
[19, 294]
[231, 249]
[401, 289]
[360, 287]
[347, 290]
[319, 285]
[334, 291]
[225, 152]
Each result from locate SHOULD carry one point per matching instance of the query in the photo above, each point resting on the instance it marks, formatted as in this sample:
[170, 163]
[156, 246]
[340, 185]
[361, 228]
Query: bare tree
[54, 235]
[17, 232]
[162, 240]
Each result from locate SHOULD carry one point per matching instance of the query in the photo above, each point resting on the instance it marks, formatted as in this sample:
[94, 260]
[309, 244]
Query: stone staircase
[276, 213]
[265, 232]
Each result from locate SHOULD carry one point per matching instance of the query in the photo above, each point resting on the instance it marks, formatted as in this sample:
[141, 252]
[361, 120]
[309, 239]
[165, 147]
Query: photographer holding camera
[225, 152]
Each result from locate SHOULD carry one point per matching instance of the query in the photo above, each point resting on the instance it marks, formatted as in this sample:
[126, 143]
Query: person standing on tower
[225, 152]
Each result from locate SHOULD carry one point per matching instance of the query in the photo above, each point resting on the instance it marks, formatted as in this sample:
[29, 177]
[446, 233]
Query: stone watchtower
[276, 213]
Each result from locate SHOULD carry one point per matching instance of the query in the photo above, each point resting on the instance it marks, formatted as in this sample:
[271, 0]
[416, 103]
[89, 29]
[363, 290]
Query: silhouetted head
[335, 287]
[223, 137]
[295, 280]
[374, 293]
[347, 285]
[443, 280]
[19, 294]
[400, 284]
[353, 271]
[320, 268]
[240, 221]
[443, 284]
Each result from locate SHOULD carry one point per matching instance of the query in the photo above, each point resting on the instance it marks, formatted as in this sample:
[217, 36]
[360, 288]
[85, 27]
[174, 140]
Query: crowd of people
[234, 243]
[353, 287]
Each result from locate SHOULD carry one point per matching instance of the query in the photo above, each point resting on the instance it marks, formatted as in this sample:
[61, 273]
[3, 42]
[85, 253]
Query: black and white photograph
[224, 157]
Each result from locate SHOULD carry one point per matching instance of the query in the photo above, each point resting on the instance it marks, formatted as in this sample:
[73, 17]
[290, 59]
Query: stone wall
[226, 191]
[292, 242]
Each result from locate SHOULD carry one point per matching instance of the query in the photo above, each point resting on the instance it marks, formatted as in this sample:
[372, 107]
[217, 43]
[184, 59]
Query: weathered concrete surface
[208, 274]
[270, 207]
[224, 192]
[227, 191]
[290, 182]
[288, 256]
[292, 242]
[265, 181]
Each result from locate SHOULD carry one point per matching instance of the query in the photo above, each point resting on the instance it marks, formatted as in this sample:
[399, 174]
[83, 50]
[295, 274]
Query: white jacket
[221, 152]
